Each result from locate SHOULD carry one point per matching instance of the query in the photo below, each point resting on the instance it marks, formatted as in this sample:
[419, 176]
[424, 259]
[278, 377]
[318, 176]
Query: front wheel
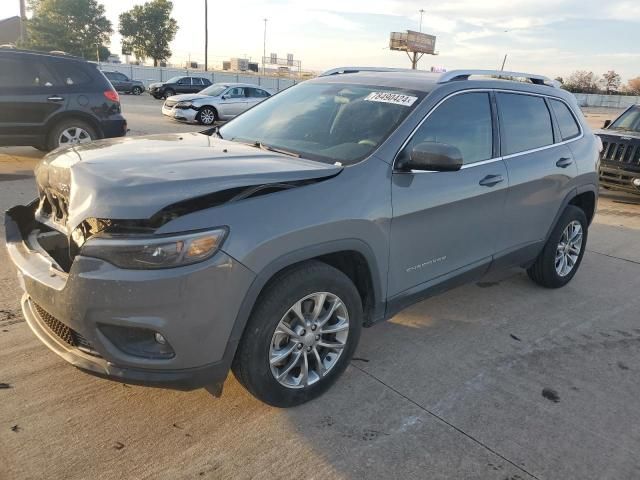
[300, 336]
[168, 93]
[206, 116]
[136, 90]
[562, 254]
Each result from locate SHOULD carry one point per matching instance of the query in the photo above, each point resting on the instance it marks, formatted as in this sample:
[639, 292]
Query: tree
[611, 81]
[73, 26]
[633, 86]
[148, 29]
[581, 81]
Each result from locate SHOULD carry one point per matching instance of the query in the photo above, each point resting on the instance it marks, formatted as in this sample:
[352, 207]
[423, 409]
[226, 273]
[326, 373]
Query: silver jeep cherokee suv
[264, 246]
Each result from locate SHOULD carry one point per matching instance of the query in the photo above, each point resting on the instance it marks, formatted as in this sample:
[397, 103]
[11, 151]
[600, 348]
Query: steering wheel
[367, 141]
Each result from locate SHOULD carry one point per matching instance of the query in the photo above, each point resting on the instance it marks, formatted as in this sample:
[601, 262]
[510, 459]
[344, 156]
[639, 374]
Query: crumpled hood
[133, 178]
[187, 96]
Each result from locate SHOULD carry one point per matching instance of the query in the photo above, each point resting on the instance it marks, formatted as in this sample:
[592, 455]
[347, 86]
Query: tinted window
[196, 81]
[525, 123]
[184, 81]
[566, 121]
[71, 73]
[23, 72]
[205, 81]
[463, 121]
[256, 92]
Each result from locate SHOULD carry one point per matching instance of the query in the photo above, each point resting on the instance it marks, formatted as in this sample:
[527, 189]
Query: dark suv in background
[620, 158]
[178, 85]
[122, 83]
[50, 100]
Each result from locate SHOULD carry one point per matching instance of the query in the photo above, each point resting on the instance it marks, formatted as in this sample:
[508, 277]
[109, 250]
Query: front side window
[325, 121]
[184, 81]
[566, 121]
[235, 92]
[525, 123]
[463, 121]
[628, 121]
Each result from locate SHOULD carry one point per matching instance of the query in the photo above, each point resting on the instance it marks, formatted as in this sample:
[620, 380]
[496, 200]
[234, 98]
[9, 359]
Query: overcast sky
[552, 37]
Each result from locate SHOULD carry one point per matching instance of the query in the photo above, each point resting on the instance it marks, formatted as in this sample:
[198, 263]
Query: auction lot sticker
[395, 98]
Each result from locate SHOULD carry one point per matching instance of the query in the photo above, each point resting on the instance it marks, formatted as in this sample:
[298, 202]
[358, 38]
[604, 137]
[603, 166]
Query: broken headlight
[137, 253]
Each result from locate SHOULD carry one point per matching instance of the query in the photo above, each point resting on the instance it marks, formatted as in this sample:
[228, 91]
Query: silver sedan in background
[220, 101]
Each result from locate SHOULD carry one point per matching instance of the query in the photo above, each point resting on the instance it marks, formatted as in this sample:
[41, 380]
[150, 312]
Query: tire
[136, 90]
[168, 93]
[207, 116]
[302, 285]
[71, 126]
[547, 270]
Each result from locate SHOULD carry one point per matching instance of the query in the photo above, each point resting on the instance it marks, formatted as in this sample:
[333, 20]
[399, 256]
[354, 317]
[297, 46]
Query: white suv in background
[220, 101]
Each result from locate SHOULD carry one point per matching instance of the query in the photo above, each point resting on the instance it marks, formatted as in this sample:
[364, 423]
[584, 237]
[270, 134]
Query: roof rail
[340, 70]
[455, 75]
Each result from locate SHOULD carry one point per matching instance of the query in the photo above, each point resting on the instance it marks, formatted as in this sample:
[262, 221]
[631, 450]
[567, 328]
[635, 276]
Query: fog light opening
[160, 339]
[636, 182]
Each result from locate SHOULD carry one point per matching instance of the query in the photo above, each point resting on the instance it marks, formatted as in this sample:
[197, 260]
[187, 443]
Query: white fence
[149, 75]
[606, 101]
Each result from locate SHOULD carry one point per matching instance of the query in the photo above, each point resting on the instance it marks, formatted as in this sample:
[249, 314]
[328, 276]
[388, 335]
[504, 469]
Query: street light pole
[23, 18]
[206, 33]
[97, 52]
[264, 47]
[421, 13]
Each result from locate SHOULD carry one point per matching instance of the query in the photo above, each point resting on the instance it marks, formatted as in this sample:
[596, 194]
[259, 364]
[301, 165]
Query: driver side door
[233, 102]
[446, 224]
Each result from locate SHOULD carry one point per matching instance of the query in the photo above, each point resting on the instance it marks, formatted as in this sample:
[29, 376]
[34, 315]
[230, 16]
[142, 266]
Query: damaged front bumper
[105, 320]
[181, 114]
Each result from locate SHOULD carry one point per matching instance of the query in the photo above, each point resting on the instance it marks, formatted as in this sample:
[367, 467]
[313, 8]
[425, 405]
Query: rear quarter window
[566, 121]
[525, 123]
[72, 73]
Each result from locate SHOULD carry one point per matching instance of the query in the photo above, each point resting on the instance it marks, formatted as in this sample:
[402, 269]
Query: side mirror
[224, 97]
[606, 123]
[438, 157]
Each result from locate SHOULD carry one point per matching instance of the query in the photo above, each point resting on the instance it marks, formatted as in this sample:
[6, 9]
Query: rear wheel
[207, 116]
[300, 336]
[562, 254]
[70, 132]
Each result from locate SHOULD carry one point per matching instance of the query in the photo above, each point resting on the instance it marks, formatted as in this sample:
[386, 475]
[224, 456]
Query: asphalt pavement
[498, 380]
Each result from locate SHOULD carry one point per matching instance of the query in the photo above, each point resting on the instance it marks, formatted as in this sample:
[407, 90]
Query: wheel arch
[353, 257]
[68, 115]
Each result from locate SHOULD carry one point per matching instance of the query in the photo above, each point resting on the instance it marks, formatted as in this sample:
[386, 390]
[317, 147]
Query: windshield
[173, 80]
[214, 90]
[324, 121]
[629, 121]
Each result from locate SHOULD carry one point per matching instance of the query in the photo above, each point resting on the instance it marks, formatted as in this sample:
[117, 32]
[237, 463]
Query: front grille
[170, 103]
[64, 333]
[622, 152]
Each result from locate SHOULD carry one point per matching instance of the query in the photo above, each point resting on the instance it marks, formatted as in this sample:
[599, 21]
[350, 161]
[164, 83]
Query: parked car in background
[620, 157]
[266, 245]
[220, 101]
[50, 100]
[122, 83]
[178, 85]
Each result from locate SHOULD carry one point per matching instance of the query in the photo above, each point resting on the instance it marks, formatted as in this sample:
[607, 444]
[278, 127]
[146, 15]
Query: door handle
[564, 162]
[491, 180]
[55, 98]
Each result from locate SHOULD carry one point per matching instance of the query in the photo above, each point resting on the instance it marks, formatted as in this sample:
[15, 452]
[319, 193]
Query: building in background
[9, 30]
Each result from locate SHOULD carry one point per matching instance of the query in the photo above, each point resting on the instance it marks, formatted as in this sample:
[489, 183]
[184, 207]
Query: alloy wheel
[207, 116]
[309, 340]
[568, 249]
[73, 135]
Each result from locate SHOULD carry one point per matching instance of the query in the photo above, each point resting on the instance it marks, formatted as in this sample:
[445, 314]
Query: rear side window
[525, 123]
[463, 121]
[566, 121]
[71, 73]
[255, 92]
[21, 72]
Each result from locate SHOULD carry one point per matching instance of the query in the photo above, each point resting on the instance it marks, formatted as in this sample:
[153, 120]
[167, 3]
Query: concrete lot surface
[496, 380]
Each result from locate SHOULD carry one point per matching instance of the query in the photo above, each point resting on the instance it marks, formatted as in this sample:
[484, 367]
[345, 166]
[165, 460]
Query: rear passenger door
[540, 166]
[255, 96]
[446, 224]
[30, 94]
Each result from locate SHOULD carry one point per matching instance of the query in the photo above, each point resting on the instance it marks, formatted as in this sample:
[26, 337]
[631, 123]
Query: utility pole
[504, 60]
[206, 33]
[23, 18]
[264, 47]
[421, 13]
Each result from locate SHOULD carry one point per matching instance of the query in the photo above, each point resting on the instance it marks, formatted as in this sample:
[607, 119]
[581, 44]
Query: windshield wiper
[269, 148]
[211, 131]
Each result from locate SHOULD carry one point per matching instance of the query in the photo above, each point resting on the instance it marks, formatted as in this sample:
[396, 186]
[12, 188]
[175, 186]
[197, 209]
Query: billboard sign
[412, 41]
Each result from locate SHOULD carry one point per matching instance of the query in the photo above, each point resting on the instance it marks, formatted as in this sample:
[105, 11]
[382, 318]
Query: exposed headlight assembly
[184, 105]
[136, 253]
